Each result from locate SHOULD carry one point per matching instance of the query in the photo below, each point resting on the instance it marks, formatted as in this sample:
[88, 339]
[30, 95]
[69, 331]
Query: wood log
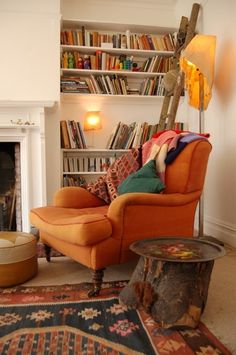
[174, 293]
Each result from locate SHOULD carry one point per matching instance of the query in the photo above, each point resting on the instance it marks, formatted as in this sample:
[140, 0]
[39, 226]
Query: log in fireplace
[10, 187]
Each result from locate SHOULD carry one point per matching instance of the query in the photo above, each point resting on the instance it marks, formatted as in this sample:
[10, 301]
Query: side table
[171, 279]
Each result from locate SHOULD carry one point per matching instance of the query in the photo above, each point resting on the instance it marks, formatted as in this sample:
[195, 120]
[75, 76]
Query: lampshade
[196, 59]
[92, 121]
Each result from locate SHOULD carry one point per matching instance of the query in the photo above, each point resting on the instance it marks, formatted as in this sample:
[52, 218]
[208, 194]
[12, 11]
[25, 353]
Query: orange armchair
[81, 226]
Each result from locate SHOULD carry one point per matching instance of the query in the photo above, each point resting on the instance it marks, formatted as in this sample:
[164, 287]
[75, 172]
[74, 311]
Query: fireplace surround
[24, 123]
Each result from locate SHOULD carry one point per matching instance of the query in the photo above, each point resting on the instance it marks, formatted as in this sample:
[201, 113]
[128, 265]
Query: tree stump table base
[174, 291]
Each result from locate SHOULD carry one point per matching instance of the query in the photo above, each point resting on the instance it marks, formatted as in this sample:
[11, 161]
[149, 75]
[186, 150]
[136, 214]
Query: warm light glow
[92, 121]
[198, 58]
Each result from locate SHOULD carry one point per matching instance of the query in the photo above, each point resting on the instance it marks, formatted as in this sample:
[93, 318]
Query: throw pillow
[144, 180]
[106, 186]
[123, 166]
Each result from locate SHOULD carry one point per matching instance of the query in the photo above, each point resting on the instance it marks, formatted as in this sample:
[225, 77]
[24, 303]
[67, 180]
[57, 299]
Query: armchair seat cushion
[84, 227]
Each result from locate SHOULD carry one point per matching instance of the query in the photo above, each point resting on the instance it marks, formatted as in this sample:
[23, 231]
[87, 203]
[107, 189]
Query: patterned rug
[59, 320]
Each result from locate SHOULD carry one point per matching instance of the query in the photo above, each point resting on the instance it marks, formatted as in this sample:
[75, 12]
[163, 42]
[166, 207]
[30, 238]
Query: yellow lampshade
[198, 59]
[92, 121]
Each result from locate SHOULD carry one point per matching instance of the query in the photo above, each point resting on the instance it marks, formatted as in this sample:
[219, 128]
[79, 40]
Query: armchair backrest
[187, 172]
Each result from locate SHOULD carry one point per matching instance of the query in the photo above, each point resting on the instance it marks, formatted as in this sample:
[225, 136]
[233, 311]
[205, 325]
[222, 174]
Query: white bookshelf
[87, 163]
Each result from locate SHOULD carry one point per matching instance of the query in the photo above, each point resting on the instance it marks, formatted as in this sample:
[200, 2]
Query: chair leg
[47, 249]
[97, 277]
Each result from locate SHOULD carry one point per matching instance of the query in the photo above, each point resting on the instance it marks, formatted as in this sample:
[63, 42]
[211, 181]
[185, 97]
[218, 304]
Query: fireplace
[10, 187]
[22, 149]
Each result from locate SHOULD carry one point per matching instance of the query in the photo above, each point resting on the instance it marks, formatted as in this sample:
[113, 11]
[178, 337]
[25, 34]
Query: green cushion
[144, 180]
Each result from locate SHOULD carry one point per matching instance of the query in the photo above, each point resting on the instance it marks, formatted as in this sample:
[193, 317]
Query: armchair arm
[76, 197]
[140, 198]
[139, 215]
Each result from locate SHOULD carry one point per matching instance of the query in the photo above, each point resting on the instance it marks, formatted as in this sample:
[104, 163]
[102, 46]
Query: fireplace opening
[9, 186]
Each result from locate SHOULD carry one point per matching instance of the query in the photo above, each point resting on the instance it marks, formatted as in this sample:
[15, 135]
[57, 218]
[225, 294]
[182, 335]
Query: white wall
[218, 18]
[30, 69]
[148, 12]
[29, 60]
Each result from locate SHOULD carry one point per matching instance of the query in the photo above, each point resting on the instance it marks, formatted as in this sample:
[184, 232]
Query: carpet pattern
[63, 320]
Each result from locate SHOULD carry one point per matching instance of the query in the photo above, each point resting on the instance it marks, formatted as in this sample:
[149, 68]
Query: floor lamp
[197, 63]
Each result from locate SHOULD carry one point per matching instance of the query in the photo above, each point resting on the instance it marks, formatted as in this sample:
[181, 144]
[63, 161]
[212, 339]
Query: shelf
[77, 97]
[85, 173]
[128, 73]
[93, 150]
[19, 126]
[134, 52]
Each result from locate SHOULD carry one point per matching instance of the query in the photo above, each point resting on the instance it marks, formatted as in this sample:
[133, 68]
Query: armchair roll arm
[76, 197]
[129, 199]
[145, 215]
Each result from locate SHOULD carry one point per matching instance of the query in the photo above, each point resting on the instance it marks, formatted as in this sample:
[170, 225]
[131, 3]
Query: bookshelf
[114, 59]
[84, 165]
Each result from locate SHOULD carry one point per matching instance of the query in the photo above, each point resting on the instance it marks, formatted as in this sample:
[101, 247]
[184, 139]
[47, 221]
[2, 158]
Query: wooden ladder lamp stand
[174, 79]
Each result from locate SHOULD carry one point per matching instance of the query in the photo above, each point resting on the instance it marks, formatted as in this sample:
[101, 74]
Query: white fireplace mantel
[24, 122]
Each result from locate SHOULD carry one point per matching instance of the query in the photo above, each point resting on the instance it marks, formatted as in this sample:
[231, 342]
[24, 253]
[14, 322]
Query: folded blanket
[165, 143]
[164, 149]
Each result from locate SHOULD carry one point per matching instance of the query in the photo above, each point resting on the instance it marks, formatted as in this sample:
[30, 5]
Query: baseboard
[220, 230]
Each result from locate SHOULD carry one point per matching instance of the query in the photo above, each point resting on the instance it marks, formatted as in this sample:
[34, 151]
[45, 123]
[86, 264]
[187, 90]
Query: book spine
[64, 135]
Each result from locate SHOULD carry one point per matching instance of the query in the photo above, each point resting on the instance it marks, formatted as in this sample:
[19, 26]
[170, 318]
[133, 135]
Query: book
[137, 135]
[121, 136]
[65, 140]
[65, 164]
[112, 136]
[83, 35]
[72, 142]
[81, 132]
[132, 132]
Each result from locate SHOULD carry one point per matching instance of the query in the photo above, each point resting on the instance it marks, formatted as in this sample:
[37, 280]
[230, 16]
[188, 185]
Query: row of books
[112, 85]
[105, 61]
[130, 136]
[152, 87]
[73, 180]
[72, 135]
[127, 40]
[126, 136]
[87, 163]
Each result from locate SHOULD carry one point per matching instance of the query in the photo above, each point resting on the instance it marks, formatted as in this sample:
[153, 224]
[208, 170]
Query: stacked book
[74, 84]
[112, 85]
[85, 164]
[73, 180]
[126, 136]
[72, 135]
[105, 61]
[143, 41]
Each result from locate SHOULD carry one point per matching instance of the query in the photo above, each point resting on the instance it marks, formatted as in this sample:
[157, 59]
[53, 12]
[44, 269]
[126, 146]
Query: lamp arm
[201, 103]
